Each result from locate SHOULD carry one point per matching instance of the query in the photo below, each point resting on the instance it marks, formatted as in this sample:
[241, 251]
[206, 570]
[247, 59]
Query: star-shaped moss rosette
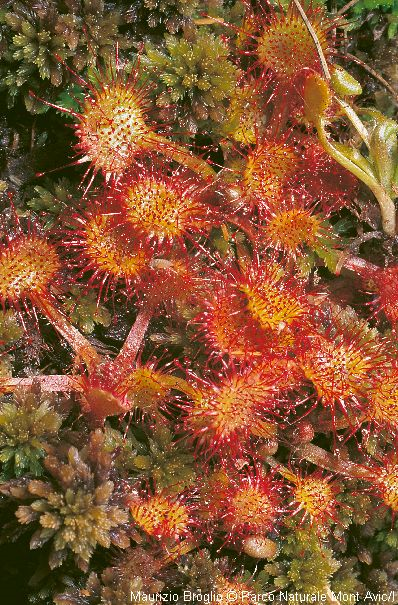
[38, 36]
[29, 423]
[79, 509]
[196, 73]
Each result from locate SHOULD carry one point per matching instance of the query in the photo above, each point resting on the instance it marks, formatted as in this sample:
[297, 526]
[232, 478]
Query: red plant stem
[50, 384]
[154, 141]
[324, 426]
[124, 361]
[82, 347]
[324, 459]
[359, 265]
[183, 156]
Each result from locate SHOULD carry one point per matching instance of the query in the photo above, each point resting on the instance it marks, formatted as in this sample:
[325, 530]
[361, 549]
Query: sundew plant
[199, 302]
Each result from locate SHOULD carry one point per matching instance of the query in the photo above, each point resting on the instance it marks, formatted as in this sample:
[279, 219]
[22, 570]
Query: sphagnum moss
[29, 423]
[78, 511]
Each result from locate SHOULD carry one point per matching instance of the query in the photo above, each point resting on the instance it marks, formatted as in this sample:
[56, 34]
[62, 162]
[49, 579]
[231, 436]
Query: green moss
[169, 463]
[179, 14]
[305, 564]
[124, 448]
[38, 37]
[78, 510]
[10, 328]
[85, 310]
[173, 14]
[346, 578]
[387, 536]
[312, 571]
[6, 365]
[184, 7]
[133, 572]
[196, 72]
[357, 506]
[28, 423]
[53, 198]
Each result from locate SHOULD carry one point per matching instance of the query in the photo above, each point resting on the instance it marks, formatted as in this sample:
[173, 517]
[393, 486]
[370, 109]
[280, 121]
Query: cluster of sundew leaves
[201, 443]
